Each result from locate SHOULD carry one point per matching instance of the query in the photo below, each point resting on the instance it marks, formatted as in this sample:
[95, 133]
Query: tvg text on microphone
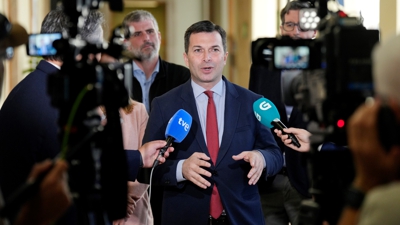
[334, 76]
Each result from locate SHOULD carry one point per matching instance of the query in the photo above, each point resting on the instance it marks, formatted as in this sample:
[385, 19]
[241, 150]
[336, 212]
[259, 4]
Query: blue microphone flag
[179, 125]
[265, 112]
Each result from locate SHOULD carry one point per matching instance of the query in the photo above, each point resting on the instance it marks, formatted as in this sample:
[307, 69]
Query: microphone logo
[265, 106]
[184, 124]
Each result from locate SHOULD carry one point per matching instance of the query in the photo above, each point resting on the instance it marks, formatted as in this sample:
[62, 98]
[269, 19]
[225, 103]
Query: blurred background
[243, 20]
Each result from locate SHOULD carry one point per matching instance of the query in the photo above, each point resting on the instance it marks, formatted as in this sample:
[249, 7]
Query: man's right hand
[150, 152]
[192, 169]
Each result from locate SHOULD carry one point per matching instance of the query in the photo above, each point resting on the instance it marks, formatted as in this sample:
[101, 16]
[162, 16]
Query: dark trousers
[281, 202]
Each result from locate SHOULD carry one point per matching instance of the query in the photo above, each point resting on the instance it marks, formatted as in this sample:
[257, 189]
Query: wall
[22, 12]
[180, 15]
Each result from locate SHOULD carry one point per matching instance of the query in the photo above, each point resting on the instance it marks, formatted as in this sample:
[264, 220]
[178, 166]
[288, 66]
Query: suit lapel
[232, 110]
[189, 104]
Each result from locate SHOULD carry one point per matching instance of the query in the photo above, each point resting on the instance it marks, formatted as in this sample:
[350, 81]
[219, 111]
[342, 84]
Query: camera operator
[29, 131]
[54, 196]
[281, 196]
[376, 159]
[373, 197]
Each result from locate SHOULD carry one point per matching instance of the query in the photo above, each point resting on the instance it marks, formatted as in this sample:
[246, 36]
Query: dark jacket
[268, 84]
[169, 76]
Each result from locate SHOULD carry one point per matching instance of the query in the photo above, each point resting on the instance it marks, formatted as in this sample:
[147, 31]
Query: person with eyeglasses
[281, 195]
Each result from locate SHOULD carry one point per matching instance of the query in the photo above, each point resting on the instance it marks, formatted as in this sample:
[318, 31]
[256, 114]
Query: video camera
[334, 77]
[336, 69]
[98, 168]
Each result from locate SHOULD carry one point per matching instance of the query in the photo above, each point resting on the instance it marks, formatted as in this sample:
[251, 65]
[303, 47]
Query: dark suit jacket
[169, 76]
[28, 128]
[186, 203]
[268, 84]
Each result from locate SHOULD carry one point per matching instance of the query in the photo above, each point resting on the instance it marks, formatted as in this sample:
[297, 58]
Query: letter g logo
[265, 106]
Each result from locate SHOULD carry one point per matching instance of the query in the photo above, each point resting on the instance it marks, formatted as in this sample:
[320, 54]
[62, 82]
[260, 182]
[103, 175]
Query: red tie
[213, 147]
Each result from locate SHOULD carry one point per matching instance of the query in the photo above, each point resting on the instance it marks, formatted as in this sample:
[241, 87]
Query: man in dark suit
[207, 184]
[281, 196]
[152, 76]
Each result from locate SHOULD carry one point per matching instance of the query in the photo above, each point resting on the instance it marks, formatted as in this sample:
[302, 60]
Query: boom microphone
[267, 113]
[177, 129]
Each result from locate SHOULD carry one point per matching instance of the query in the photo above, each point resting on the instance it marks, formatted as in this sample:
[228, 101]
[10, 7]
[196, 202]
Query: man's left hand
[255, 158]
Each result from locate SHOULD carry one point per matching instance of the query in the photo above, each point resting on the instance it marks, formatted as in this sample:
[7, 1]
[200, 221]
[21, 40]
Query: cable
[151, 181]
[71, 117]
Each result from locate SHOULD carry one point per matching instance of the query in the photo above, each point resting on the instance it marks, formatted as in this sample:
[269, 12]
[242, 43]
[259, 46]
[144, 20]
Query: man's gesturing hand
[255, 158]
[192, 169]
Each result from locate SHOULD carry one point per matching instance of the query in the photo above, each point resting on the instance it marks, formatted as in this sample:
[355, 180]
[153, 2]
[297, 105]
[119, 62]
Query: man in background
[152, 75]
[281, 196]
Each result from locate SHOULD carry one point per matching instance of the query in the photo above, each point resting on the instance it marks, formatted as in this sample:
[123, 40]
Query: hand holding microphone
[302, 135]
[177, 129]
[267, 113]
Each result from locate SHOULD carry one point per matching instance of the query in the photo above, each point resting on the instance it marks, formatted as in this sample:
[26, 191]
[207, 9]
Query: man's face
[145, 40]
[292, 20]
[206, 58]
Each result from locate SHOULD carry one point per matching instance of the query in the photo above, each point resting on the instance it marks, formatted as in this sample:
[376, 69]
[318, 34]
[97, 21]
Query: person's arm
[145, 157]
[53, 198]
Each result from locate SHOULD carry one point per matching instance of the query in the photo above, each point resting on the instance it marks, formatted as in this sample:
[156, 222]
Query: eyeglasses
[289, 26]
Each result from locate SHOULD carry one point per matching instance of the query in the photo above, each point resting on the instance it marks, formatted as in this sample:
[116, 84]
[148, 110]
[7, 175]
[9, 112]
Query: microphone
[268, 115]
[177, 129]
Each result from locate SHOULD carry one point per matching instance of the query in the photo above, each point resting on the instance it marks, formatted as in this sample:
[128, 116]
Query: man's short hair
[204, 26]
[137, 16]
[293, 5]
[56, 21]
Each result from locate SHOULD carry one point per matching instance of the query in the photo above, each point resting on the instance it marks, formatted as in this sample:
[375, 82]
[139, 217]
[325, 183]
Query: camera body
[332, 77]
[336, 72]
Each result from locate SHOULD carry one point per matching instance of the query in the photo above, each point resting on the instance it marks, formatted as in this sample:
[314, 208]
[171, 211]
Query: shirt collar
[56, 66]
[198, 90]
[156, 69]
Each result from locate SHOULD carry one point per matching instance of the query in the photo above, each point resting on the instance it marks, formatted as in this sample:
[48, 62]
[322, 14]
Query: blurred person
[133, 123]
[29, 131]
[281, 195]
[374, 195]
[54, 196]
[211, 176]
[152, 75]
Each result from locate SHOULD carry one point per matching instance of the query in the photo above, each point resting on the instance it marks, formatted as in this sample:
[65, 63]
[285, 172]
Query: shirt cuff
[179, 175]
